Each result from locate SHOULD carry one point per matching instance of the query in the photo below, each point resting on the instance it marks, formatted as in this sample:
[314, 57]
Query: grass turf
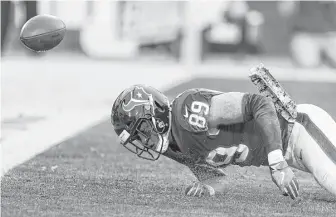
[91, 175]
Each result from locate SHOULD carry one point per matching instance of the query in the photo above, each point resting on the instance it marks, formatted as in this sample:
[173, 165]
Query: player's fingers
[190, 190]
[291, 191]
[285, 192]
[296, 182]
[294, 186]
[197, 190]
[200, 192]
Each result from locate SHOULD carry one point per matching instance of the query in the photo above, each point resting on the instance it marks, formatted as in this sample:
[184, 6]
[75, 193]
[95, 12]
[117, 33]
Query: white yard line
[23, 145]
[68, 97]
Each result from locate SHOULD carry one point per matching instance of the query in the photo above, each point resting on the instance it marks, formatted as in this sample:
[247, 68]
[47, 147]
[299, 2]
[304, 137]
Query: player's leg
[313, 144]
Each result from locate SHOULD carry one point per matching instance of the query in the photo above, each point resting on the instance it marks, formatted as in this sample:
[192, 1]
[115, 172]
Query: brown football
[42, 32]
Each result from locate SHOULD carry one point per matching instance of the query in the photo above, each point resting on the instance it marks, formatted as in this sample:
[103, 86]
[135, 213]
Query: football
[42, 33]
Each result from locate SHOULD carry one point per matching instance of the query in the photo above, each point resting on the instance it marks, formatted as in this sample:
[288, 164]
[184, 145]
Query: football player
[208, 130]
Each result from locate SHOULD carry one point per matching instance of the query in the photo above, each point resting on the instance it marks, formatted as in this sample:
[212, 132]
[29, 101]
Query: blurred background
[304, 33]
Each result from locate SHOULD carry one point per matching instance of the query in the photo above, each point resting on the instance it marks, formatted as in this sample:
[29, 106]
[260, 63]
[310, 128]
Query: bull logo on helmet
[138, 97]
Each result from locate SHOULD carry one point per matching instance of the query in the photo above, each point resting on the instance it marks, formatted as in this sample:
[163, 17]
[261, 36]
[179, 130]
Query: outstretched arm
[200, 170]
[211, 180]
[235, 107]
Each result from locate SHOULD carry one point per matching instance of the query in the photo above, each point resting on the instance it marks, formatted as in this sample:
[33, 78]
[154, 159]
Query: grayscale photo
[168, 108]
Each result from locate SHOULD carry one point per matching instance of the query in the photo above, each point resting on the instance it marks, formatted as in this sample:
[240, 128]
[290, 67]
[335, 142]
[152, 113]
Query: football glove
[199, 189]
[285, 179]
[221, 157]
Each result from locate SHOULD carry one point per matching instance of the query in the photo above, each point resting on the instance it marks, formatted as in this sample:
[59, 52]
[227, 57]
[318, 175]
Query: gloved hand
[199, 189]
[221, 157]
[284, 178]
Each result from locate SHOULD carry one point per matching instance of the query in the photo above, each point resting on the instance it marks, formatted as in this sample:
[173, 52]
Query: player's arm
[200, 170]
[235, 107]
[211, 180]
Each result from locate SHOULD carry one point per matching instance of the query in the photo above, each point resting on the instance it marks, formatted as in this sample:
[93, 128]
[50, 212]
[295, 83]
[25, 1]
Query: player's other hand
[221, 157]
[284, 178]
[199, 189]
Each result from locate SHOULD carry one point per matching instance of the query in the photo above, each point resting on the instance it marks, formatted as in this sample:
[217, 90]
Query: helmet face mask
[141, 117]
[144, 141]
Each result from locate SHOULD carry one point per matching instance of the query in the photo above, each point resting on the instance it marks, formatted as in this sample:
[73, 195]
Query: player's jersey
[190, 129]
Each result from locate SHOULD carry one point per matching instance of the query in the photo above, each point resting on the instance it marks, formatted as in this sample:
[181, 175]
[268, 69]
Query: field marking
[69, 101]
[24, 145]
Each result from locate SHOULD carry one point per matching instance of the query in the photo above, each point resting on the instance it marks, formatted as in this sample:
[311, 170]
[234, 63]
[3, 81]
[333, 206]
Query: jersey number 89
[199, 109]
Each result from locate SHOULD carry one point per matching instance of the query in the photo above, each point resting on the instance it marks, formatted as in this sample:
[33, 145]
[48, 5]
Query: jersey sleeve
[227, 108]
[236, 107]
[262, 110]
